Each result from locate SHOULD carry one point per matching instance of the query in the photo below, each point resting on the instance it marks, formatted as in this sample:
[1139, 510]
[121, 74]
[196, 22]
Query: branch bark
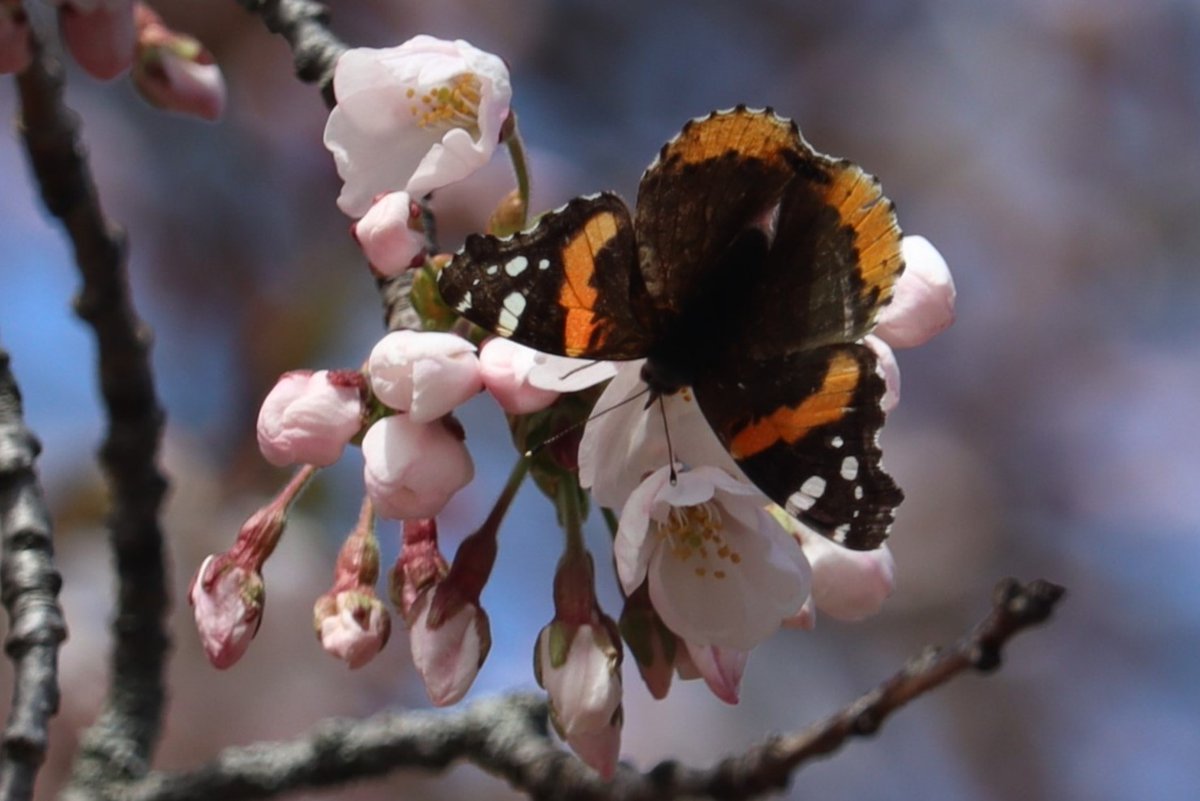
[305, 26]
[509, 737]
[30, 585]
[123, 738]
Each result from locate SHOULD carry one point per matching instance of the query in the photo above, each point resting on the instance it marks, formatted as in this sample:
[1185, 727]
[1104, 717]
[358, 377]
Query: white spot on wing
[837, 442]
[516, 266]
[850, 468]
[544, 264]
[465, 303]
[493, 269]
[510, 313]
[813, 487]
[800, 502]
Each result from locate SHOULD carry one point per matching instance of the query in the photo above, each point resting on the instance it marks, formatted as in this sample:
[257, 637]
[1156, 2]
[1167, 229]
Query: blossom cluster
[708, 566]
[107, 38]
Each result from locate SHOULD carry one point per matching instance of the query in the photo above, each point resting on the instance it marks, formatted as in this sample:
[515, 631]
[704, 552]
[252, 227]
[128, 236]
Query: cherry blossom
[721, 668]
[626, 440]
[507, 369]
[413, 469]
[848, 585]
[227, 599]
[387, 236]
[448, 651]
[352, 625]
[416, 117]
[721, 570]
[307, 417]
[424, 373]
[580, 668]
[923, 304]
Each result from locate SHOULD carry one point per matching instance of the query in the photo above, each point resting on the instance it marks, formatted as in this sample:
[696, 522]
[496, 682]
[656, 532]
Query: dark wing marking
[804, 427]
[721, 174]
[569, 285]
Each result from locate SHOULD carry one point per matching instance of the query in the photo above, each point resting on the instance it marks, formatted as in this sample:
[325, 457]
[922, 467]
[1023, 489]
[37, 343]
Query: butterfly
[750, 270]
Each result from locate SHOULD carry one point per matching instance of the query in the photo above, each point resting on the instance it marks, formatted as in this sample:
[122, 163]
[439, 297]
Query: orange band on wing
[863, 208]
[578, 295]
[750, 134]
[789, 424]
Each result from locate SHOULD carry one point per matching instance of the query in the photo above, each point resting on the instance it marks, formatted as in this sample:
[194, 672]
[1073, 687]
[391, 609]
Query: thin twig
[30, 593]
[508, 737]
[123, 738]
[305, 26]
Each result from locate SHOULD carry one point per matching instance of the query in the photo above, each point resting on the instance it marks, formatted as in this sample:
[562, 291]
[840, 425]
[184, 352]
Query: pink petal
[923, 304]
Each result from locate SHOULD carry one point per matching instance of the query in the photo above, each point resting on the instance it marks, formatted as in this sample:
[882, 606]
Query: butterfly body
[749, 271]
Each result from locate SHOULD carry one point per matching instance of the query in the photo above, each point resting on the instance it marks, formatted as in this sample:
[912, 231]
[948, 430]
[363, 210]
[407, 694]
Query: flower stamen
[454, 105]
[697, 530]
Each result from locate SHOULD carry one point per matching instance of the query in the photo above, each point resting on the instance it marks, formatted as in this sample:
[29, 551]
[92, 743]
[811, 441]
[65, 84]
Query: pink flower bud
[848, 585]
[506, 368]
[424, 373]
[449, 649]
[652, 644]
[173, 71]
[923, 305]
[412, 470]
[721, 668]
[388, 235]
[352, 625]
[15, 49]
[99, 34]
[579, 666]
[227, 599]
[307, 418]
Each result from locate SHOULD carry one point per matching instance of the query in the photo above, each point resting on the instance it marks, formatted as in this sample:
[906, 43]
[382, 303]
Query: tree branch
[305, 26]
[508, 737]
[122, 740]
[30, 586]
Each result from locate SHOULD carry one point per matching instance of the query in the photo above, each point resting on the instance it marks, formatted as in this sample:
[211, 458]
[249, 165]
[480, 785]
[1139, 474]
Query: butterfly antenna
[536, 449]
[662, 410]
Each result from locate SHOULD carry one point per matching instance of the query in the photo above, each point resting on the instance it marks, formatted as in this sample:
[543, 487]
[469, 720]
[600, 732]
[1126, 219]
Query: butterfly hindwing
[568, 286]
[718, 176]
[804, 427]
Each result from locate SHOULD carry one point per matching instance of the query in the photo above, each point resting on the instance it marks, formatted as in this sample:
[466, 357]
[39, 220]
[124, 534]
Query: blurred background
[1049, 148]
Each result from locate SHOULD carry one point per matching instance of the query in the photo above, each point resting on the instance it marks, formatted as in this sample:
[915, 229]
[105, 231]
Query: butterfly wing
[568, 286]
[833, 261]
[804, 428]
[722, 173]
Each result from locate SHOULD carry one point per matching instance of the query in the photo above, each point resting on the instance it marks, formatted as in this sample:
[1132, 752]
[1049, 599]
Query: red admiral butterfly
[750, 270]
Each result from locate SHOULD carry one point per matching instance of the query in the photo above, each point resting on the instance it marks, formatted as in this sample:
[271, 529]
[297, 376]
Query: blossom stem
[515, 479]
[516, 152]
[260, 540]
[570, 509]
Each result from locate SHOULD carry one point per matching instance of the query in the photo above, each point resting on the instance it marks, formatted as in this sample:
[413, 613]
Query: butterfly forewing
[834, 260]
[721, 174]
[803, 427]
[568, 286]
